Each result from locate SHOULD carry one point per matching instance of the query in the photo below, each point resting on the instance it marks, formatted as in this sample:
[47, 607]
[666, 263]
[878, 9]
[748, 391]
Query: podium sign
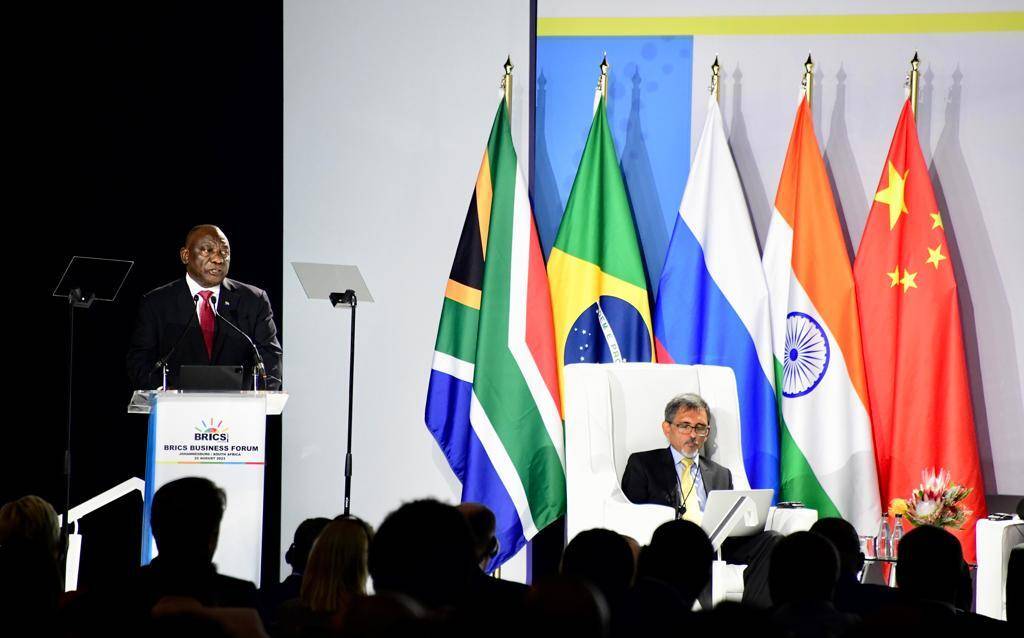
[221, 437]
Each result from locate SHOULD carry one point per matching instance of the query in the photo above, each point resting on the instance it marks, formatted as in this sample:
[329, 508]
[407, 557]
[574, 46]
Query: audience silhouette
[931, 574]
[802, 578]
[851, 595]
[428, 563]
[274, 594]
[335, 577]
[424, 550]
[30, 578]
[602, 558]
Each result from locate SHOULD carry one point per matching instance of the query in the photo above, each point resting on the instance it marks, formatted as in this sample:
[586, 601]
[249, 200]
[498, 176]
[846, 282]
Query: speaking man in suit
[191, 316]
[680, 477]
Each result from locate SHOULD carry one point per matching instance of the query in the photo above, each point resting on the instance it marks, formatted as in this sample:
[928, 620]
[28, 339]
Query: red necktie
[206, 320]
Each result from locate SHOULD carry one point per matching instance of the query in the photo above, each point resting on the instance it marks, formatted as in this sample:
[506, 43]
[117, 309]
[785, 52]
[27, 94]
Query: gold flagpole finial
[602, 82]
[808, 78]
[715, 77]
[506, 83]
[915, 64]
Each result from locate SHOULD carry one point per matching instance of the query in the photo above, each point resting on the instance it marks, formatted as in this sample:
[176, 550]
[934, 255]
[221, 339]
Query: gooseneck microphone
[162, 361]
[260, 368]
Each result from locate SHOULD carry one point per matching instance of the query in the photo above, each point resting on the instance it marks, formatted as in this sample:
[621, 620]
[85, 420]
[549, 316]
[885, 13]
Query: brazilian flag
[598, 286]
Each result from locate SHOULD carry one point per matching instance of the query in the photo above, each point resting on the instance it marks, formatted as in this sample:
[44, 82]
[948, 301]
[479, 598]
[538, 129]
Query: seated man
[679, 477]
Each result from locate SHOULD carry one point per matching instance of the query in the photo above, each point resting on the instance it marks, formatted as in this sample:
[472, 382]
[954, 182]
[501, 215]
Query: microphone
[162, 361]
[260, 368]
[675, 501]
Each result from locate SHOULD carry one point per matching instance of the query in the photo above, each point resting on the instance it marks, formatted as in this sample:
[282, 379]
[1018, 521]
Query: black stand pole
[348, 297]
[351, 380]
[64, 528]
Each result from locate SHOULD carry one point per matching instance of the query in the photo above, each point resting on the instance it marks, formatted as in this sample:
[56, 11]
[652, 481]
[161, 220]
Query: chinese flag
[913, 348]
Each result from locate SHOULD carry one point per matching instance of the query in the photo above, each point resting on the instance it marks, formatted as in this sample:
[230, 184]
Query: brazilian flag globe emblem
[598, 286]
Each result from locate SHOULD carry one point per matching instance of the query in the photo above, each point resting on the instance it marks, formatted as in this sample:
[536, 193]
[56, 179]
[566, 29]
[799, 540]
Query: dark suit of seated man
[199, 297]
[680, 477]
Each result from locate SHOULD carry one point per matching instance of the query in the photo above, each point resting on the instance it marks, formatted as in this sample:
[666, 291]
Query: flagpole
[602, 82]
[913, 77]
[506, 83]
[808, 79]
[715, 77]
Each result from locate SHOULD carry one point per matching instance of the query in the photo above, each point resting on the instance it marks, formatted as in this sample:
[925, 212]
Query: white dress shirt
[194, 287]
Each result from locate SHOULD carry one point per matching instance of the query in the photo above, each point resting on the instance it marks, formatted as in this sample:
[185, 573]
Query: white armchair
[613, 410]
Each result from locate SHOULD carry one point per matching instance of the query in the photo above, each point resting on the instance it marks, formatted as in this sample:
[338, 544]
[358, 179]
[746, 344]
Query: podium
[220, 436]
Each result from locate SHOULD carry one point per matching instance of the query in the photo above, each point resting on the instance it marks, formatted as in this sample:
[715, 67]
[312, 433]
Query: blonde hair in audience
[30, 519]
[337, 566]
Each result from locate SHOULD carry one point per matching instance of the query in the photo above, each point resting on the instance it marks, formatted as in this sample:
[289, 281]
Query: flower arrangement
[937, 501]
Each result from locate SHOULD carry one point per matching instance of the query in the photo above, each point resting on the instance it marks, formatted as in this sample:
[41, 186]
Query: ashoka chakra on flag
[806, 356]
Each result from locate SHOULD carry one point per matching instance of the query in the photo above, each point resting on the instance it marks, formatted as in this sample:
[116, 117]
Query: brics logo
[211, 432]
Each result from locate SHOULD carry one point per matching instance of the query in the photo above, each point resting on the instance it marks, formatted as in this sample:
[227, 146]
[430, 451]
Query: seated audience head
[424, 550]
[804, 568]
[844, 538]
[1015, 586]
[302, 543]
[185, 518]
[931, 561]
[602, 558]
[30, 521]
[680, 555]
[337, 565]
[481, 525]
[567, 606]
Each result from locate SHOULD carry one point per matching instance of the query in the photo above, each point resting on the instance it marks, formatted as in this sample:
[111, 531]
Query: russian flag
[712, 305]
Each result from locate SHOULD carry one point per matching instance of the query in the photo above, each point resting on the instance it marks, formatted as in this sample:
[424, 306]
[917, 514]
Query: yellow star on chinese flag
[894, 277]
[935, 256]
[908, 280]
[936, 221]
[893, 195]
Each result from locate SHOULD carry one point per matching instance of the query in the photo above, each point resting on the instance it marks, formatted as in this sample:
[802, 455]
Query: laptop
[208, 378]
[723, 503]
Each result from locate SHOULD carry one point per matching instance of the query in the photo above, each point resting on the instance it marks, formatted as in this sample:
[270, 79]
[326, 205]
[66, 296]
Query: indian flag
[492, 403]
[827, 457]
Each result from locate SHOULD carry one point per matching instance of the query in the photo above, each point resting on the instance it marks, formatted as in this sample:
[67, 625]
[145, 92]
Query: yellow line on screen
[787, 25]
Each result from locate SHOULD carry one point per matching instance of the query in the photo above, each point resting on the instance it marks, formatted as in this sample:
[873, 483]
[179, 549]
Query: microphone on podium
[260, 368]
[162, 361]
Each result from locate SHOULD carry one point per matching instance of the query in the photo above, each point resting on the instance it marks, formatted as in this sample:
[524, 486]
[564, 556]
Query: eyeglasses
[685, 427]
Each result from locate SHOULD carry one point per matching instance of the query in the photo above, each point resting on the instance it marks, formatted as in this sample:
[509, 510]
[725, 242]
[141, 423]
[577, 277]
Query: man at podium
[193, 320]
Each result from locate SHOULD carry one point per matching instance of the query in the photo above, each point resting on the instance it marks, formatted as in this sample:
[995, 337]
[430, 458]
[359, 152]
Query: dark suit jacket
[651, 477]
[163, 314]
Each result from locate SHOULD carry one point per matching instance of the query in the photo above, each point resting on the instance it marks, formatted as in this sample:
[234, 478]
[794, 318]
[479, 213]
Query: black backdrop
[129, 122]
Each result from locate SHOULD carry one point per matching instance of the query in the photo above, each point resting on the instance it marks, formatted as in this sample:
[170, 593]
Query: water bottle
[897, 535]
[883, 542]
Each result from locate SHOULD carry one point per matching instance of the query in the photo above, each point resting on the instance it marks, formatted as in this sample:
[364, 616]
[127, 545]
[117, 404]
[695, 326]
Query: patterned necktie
[689, 495]
[206, 320]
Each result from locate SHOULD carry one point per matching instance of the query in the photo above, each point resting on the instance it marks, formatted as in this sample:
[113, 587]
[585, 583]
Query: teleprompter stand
[85, 280]
[344, 287]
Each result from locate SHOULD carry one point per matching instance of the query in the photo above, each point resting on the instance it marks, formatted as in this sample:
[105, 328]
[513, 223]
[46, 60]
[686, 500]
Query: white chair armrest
[637, 521]
[726, 582]
[995, 539]
[786, 521]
